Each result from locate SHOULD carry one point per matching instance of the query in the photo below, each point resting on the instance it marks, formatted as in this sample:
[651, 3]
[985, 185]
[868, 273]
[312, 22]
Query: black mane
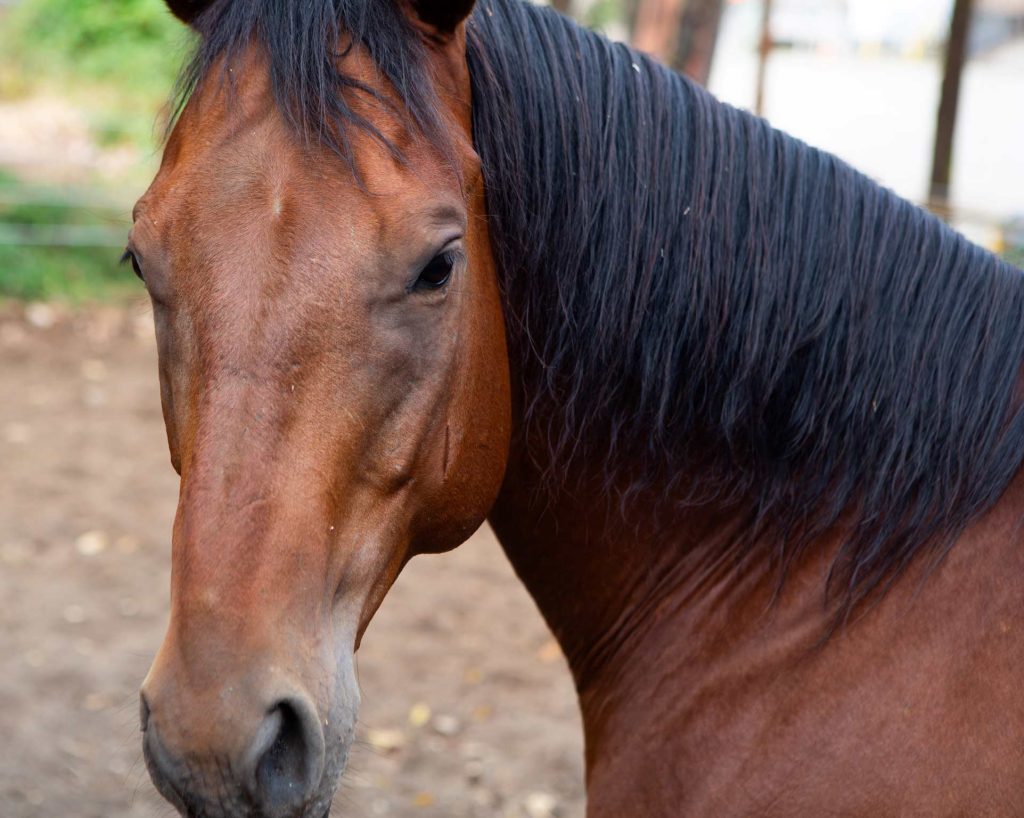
[698, 299]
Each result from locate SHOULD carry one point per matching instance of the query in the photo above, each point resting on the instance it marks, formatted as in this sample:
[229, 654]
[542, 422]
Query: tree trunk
[764, 46]
[695, 41]
[680, 33]
[655, 27]
[945, 127]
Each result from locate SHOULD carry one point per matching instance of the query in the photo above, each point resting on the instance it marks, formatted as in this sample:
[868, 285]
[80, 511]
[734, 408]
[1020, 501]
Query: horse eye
[437, 272]
[130, 257]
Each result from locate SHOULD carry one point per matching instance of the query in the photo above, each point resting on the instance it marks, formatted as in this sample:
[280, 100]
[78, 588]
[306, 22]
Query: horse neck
[663, 625]
[617, 588]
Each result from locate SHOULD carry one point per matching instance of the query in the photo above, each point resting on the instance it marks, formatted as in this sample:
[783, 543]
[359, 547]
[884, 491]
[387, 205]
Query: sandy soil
[468, 708]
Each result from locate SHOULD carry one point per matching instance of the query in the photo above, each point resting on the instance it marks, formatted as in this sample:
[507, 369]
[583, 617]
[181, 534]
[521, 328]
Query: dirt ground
[468, 708]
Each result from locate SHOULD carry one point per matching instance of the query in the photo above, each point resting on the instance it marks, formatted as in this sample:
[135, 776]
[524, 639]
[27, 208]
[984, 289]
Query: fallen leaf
[549, 652]
[482, 712]
[419, 714]
[541, 805]
[446, 725]
[387, 741]
[91, 543]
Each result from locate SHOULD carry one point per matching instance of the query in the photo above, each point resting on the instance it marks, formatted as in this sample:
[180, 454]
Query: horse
[748, 426]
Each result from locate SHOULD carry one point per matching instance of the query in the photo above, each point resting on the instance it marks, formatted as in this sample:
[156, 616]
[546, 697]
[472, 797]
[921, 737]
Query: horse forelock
[305, 43]
[696, 300]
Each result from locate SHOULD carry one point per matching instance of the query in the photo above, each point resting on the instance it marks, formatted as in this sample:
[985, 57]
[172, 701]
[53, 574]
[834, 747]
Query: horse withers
[728, 405]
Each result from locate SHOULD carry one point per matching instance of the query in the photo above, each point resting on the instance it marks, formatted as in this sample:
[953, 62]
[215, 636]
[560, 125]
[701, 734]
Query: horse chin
[339, 724]
[334, 766]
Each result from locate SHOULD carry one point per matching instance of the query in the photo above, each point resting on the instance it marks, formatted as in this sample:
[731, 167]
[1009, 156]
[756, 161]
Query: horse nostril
[289, 755]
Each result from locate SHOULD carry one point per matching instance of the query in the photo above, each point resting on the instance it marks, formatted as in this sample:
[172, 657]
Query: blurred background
[468, 705]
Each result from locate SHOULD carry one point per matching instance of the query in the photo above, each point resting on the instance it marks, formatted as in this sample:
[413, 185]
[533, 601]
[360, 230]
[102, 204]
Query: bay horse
[747, 425]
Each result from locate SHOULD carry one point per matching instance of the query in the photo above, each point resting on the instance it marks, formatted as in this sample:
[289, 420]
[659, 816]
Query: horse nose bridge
[261, 577]
[253, 451]
[255, 520]
[244, 412]
[252, 576]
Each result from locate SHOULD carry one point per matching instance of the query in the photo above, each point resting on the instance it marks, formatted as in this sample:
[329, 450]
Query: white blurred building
[863, 80]
[901, 25]
[912, 27]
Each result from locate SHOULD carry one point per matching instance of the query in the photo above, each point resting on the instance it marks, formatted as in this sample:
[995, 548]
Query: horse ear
[441, 17]
[187, 10]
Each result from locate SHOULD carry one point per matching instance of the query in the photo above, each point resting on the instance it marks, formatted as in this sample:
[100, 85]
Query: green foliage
[602, 13]
[77, 272]
[131, 43]
[65, 274]
[115, 60]
[121, 55]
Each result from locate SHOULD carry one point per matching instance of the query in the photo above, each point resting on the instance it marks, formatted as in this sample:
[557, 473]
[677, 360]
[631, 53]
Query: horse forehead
[233, 144]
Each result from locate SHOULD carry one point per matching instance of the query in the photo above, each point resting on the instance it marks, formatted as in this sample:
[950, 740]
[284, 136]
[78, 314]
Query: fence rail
[61, 235]
[78, 201]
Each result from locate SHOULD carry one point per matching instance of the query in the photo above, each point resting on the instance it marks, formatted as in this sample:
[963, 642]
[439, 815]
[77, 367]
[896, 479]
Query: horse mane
[698, 301]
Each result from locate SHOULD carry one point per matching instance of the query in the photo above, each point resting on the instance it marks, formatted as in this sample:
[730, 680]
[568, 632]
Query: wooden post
[562, 6]
[945, 126]
[764, 46]
[680, 33]
[655, 27]
[697, 33]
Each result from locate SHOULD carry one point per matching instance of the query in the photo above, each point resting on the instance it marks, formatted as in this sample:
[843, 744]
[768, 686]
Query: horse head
[334, 384]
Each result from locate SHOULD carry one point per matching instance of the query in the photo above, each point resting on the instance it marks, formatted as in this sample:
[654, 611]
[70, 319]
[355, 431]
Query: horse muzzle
[245, 749]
